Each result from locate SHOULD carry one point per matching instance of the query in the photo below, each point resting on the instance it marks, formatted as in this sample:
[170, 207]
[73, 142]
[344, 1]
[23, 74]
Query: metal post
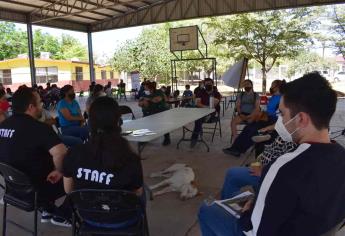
[31, 53]
[89, 44]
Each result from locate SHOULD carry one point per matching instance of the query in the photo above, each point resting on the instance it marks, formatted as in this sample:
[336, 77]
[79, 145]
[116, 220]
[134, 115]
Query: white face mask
[282, 131]
[147, 92]
[102, 94]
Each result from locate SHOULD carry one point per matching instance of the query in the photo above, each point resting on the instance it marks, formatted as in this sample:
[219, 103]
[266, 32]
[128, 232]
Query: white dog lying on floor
[180, 178]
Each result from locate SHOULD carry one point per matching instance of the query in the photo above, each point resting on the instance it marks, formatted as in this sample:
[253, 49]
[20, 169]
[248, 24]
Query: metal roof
[99, 15]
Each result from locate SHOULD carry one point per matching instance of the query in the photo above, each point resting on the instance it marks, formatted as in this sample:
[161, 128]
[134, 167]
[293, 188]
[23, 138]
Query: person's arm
[68, 116]
[267, 128]
[280, 202]
[199, 104]
[238, 106]
[58, 153]
[156, 99]
[68, 184]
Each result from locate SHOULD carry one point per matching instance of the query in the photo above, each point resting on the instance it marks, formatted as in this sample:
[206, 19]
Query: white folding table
[164, 122]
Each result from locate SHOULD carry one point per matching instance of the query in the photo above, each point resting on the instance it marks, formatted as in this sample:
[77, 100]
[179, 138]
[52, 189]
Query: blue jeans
[214, 220]
[81, 132]
[235, 179]
[70, 141]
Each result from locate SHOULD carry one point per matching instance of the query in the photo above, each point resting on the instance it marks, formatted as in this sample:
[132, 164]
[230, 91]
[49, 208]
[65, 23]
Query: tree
[44, 42]
[71, 48]
[338, 18]
[265, 37]
[12, 41]
[149, 54]
[308, 62]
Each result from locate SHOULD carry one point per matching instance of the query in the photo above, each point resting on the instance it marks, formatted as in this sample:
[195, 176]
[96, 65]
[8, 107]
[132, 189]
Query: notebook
[235, 205]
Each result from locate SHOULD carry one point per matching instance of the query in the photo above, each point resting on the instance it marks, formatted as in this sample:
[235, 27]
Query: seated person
[154, 102]
[237, 178]
[187, 97]
[247, 107]
[35, 149]
[295, 196]
[269, 117]
[98, 91]
[107, 155]
[69, 141]
[70, 117]
[203, 101]
[4, 106]
[9, 94]
[200, 87]
[121, 89]
[107, 90]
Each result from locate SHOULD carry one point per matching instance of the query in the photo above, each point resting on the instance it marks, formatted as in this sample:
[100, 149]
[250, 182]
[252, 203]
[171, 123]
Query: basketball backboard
[184, 38]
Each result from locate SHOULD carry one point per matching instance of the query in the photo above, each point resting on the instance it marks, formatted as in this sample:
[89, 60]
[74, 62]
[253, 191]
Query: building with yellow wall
[16, 72]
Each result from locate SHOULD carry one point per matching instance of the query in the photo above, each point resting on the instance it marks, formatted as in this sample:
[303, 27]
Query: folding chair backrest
[106, 206]
[17, 187]
[126, 110]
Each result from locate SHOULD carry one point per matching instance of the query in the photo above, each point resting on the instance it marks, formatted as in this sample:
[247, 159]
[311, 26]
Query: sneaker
[232, 151]
[46, 217]
[59, 221]
[261, 138]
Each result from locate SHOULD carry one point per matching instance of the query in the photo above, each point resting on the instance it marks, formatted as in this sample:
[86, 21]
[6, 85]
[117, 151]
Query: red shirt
[4, 105]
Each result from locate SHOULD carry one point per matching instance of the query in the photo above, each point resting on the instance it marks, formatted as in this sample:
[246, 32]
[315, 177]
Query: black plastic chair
[217, 126]
[107, 207]
[20, 193]
[124, 110]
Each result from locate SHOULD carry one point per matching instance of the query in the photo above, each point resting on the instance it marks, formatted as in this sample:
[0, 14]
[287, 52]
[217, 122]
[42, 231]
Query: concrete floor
[167, 214]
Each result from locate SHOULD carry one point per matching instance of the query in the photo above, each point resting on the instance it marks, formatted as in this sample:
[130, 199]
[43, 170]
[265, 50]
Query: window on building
[46, 74]
[111, 74]
[79, 73]
[6, 77]
[104, 74]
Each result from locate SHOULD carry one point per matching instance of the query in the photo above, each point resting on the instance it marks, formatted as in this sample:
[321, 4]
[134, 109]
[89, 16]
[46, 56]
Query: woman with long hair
[106, 161]
[69, 113]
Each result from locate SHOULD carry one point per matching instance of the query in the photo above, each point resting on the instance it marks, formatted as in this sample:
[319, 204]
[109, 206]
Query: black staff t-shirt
[89, 172]
[25, 144]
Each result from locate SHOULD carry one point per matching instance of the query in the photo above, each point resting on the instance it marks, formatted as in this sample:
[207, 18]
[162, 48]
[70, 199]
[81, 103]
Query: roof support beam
[172, 10]
[52, 11]
[31, 53]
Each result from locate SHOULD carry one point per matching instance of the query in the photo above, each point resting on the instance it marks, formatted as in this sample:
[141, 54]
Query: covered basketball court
[90, 16]
[168, 215]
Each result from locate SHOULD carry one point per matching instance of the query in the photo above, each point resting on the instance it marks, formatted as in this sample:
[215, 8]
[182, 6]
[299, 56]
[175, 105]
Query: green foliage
[308, 62]
[338, 18]
[14, 41]
[149, 54]
[265, 36]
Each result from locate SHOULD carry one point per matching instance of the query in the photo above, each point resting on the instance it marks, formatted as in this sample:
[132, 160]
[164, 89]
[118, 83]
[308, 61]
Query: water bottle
[211, 102]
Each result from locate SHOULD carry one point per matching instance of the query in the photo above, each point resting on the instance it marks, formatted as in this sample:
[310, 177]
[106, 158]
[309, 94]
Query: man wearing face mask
[302, 192]
[154, 101]
[247, 107]
[70, 118]
[203, 101]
